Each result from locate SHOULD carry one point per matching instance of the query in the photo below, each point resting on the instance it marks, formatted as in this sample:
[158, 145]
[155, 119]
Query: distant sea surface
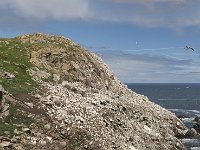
[184, 96]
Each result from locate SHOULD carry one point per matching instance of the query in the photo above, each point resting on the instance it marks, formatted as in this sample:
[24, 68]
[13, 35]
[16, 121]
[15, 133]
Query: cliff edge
[58, 95]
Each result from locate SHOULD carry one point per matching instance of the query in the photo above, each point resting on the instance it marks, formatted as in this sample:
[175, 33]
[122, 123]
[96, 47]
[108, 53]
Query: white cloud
[149, 1]
[150, 68]
[153, 13]
[48, 9]
[148, 13]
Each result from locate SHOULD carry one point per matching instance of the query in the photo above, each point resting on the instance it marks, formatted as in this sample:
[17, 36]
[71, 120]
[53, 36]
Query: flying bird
[189, 48]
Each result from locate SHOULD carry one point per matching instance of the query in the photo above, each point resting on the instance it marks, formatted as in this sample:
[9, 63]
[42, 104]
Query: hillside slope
[67, 98]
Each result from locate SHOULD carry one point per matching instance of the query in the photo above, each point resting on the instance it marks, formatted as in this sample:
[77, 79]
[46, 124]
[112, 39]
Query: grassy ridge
[14, 121]
[13, 58]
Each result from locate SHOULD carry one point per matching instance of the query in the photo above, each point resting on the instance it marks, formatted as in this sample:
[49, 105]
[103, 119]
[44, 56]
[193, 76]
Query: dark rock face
[197, 124]
[87, 106]
[192, 133]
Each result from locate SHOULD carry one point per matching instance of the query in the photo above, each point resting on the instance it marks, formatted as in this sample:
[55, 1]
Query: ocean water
[183, 99]
[184, 96]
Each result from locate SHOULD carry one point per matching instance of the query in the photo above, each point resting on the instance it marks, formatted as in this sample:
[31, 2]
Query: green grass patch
[11, 123]
[14, 59]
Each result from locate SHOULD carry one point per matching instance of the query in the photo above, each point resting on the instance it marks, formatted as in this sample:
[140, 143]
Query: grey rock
[58, 102]
[191, 133]
[18, 147]
[47, 126]
[197, 127]
[74, 65]
[4, 144]
[29, 104]
[7, 132]
[6, 113]
[63, 144]
[1, 88]
[10, 100]
[38, 96]
[79, 118]
[42, 142]
[132, 148]
[5, 108]
[25, 129]
[8, 75]
[17, 132]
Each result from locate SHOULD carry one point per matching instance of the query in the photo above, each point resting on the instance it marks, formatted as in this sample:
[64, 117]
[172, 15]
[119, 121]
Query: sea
[183, 99]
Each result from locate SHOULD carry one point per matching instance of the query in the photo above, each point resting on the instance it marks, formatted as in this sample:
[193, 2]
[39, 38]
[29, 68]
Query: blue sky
[142, 41]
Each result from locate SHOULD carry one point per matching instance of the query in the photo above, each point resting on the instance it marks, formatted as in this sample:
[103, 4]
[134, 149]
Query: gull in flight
[189, 48]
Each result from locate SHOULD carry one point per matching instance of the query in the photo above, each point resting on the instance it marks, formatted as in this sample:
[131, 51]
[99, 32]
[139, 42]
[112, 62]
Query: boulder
[4, 144]
[197, 119]
[8, 75]
[197, 127]
[191, 133]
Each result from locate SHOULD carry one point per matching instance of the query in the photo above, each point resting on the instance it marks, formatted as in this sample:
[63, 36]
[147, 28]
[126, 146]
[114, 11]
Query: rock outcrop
[86, 106]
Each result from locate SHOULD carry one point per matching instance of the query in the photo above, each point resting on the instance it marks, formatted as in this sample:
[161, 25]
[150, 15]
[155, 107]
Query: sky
[142, 41]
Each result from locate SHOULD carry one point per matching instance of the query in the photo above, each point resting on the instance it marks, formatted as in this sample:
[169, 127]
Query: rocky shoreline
[191, 119]
[79, 104]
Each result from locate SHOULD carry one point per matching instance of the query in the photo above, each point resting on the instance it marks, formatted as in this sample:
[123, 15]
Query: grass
[15, 118]
[13, 58]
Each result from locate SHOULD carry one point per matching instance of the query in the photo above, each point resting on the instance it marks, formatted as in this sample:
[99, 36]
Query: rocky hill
[58, 95]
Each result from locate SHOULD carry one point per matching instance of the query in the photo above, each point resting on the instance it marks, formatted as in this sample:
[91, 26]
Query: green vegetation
[13, 121]
[14, 59]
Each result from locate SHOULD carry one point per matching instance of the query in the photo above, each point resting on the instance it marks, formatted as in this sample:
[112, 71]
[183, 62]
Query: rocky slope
[73, 101]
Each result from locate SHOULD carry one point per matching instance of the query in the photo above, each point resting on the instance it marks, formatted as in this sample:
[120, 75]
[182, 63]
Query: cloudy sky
[140, 40]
